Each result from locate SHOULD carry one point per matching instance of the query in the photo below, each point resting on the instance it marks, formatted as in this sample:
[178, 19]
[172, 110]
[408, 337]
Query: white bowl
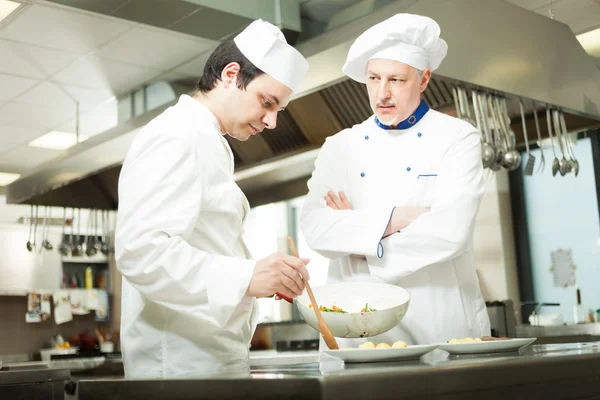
[391, 303]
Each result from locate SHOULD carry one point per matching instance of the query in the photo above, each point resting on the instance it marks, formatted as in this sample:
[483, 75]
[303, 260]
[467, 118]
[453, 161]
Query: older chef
[394, 199]
[190, 287]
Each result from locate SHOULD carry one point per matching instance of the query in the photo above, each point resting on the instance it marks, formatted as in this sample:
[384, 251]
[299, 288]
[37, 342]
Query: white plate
[492, 346]
[374, 355]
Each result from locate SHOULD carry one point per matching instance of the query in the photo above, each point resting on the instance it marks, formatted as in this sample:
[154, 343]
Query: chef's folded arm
[152, 251]
[445, 231]
[339, 233]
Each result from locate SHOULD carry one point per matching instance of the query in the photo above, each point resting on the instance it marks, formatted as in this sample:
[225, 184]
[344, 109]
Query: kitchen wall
[22, 270]
[494, 244]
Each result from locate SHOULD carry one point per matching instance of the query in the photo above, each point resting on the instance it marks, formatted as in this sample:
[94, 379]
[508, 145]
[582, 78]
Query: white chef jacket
[180, 250]
[434, 163]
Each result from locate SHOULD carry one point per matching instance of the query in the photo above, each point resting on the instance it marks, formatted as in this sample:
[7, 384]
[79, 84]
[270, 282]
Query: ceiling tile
[194, 67]
[12, 136]
[13, 86]
[153, 47]
[63, 29]
[33, 116]
[88, 98]
[93, 72]
[50, 95]
[24, 157]
[95, 121]
[32, 61]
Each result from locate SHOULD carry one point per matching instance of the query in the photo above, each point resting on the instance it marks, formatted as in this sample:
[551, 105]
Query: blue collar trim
[408, 122]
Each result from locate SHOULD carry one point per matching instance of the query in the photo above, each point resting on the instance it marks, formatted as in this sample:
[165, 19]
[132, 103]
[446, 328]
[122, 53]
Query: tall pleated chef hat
[265, 46]
[407, 38]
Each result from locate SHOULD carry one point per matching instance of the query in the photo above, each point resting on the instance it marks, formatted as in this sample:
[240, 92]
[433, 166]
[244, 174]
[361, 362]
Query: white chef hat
[407, 38]
[265, 46]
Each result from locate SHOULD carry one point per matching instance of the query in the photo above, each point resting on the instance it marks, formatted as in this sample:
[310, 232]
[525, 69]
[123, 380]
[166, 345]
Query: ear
[229, 74]
[425, 79]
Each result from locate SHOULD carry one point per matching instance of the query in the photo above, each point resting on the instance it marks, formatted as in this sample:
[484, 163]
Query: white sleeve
[339, 233]
[446, 230]
[160, 194]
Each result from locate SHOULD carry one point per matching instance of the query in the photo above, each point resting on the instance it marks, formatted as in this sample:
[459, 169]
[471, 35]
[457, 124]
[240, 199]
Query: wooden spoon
[325, 331]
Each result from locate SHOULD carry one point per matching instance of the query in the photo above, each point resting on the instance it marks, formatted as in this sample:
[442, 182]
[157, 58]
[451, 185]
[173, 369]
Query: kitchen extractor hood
[494, 47]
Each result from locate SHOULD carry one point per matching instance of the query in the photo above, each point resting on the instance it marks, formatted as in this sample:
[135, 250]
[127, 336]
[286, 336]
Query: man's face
[256, 107]
[394, 89]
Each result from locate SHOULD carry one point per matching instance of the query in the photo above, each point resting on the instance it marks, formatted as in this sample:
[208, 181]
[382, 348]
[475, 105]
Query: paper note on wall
[62, 307]
[563, 268]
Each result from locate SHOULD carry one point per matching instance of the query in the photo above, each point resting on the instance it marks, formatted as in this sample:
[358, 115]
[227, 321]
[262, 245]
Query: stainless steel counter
[542, 371]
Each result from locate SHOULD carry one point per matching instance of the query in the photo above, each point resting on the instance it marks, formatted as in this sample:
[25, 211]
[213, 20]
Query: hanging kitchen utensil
[77, 249]
[564, 163]
[64, 248]
[465, 109]
[97, 243]
[494, 133]
[29, 244]
[35, 229]
[104, 248]
[456, 102]
[325, 331]
[90, 250]
[513, 157]
[574, 162]
[539, 136]
[488, 151]
[555, 162]
[47, 216]
[528, 170]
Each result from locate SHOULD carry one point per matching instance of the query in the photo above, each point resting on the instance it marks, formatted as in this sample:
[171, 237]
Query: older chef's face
[394, 89]
[255, 108]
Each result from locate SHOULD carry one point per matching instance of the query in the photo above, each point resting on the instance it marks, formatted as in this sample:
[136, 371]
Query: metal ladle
[498, 146]
[97, 243]
[539, 135]
[488, 153]
[530, 164]
[555, 162]
[46, 243]
[574, 162]
[64, 248]
[105, 228]
[76, 248]
[90, 250]
[564, 164]
[513, 157]
[29, 244]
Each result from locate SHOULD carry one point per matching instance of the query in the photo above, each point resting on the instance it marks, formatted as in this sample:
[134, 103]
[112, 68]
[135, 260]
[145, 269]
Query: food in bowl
[335, 308]
[391, 304]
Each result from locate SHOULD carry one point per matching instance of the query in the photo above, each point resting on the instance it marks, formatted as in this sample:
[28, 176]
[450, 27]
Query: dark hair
[227, 52]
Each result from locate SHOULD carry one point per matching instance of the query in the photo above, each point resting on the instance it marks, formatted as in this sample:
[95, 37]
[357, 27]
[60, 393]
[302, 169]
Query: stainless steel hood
[494, 46]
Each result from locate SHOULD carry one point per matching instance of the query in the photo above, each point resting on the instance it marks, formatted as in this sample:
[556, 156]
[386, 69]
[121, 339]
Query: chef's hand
[336, 202]
[402, 217]
[278, 273]
[341, 202]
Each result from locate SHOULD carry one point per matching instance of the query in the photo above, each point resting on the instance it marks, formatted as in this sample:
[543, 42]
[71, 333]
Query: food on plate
[367, 345]
[383, 346]
[465, 340]
[481, 339]
[399, 345]
[491, 338]
[337, 309]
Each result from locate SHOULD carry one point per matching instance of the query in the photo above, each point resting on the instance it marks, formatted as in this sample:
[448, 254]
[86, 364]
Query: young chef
[190, 287]
[394, 199]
